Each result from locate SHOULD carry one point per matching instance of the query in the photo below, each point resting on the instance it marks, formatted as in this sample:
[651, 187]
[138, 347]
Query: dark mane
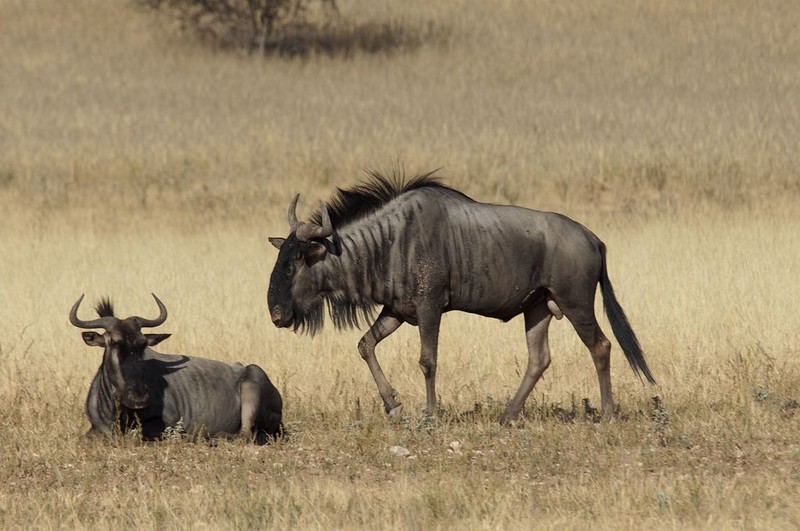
[350, 310]
[104, 308]
[368, 196]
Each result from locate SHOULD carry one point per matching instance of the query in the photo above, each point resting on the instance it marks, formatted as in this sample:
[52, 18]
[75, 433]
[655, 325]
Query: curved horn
[103, 322]
[150, 323]
[326, 220]
[308, 231]
[293, 214]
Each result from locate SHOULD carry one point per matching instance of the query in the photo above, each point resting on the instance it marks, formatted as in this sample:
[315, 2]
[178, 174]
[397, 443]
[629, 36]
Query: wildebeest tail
[620, 325]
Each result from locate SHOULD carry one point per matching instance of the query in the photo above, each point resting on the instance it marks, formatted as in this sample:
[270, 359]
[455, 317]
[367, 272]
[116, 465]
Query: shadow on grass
[344, 40]
[534, 410]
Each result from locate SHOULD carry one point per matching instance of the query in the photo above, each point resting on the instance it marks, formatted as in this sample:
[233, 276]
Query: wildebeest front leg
[537, 322]
[386, 323]
[96, 433]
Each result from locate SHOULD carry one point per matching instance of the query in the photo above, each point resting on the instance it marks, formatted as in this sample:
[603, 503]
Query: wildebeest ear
[93, 339]
[277, 242]
[155, 339]
[314, 252]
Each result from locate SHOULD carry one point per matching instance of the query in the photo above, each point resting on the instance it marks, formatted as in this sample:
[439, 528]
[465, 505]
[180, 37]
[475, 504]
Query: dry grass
[133, 160]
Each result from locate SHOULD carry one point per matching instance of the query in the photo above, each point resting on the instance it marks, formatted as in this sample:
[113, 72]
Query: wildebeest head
[294, 295]
[124, 345]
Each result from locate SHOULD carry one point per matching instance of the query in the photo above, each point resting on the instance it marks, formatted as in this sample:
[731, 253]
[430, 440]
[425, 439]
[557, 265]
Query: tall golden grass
[134, 160]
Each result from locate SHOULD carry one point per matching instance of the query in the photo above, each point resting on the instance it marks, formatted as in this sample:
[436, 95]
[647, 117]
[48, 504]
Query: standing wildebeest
[421, 249]
[136, 385]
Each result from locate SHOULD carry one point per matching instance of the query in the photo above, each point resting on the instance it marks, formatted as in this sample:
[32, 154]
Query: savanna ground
[135, 160]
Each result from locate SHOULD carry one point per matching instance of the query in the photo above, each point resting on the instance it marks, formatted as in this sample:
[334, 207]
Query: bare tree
[293, 27]
[248, 23]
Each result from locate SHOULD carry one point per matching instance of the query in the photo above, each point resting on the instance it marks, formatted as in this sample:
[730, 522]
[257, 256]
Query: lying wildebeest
[137, 386]
[421, 249]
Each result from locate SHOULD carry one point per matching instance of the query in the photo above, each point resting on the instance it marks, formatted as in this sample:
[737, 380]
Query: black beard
[309, 320]
[350, 313]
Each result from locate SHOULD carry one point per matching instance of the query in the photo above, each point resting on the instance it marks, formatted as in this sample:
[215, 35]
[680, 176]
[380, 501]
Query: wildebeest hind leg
[249, 392]
[537, 322]
[585, 324]
[601, 355]
[384, 325]
[261, 406]
[429, 323]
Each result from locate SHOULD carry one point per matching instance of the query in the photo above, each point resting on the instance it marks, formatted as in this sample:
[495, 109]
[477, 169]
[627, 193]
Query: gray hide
[422, 249]
[136, 386]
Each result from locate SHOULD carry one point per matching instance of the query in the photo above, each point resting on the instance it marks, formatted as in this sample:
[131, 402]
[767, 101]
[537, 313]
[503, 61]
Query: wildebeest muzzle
[136, 398]
[281, 318]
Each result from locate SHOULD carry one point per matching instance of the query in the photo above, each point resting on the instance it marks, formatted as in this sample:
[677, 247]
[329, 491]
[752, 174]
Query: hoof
[396, 411]
[507, 419]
